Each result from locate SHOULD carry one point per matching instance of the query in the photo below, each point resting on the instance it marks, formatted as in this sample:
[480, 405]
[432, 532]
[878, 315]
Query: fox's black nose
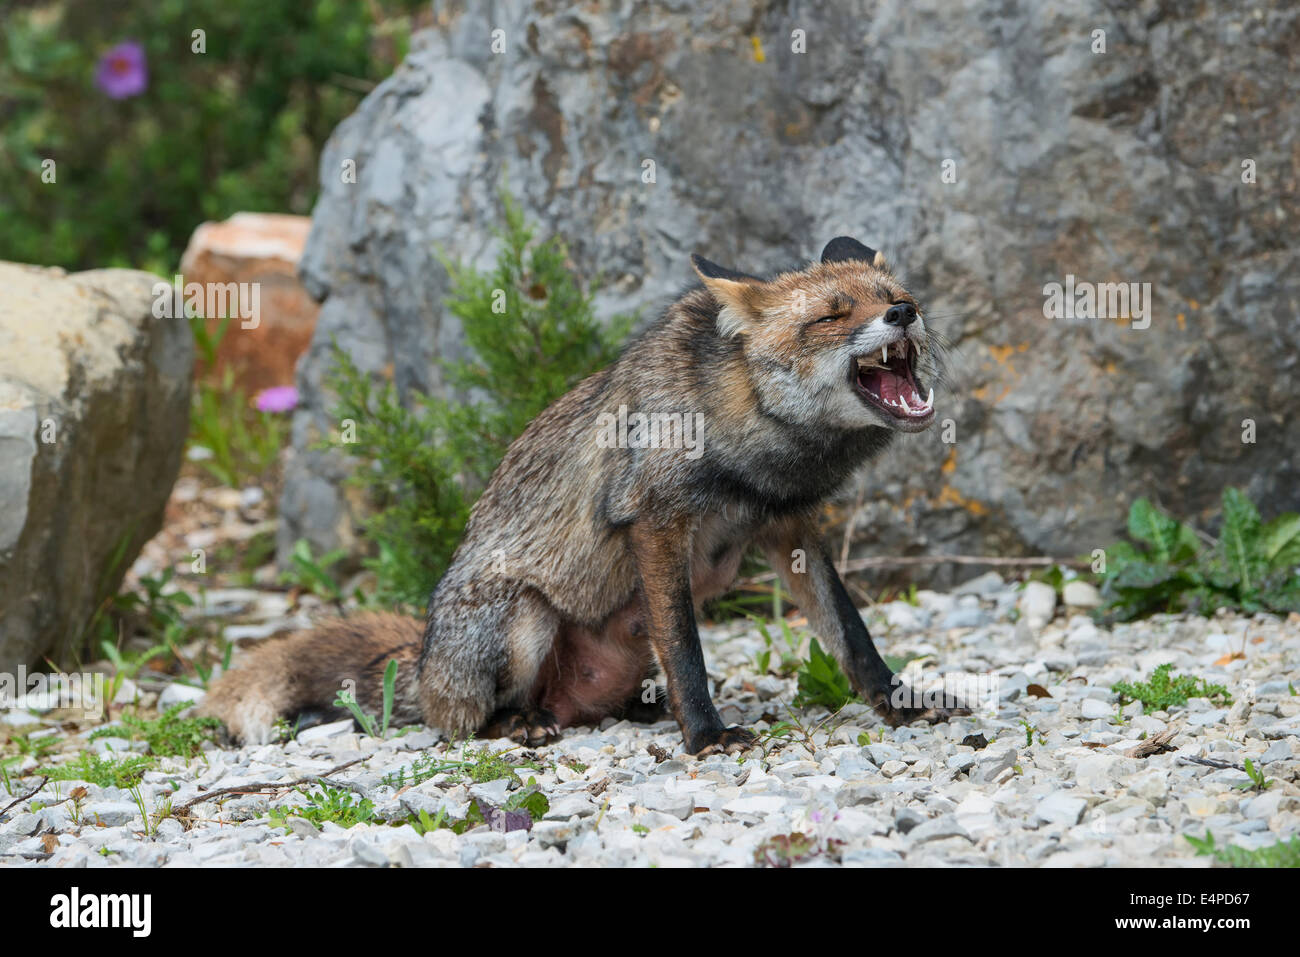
[902, 314]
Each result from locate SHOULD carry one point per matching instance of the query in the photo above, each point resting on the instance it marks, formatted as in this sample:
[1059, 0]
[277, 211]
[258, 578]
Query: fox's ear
[739, 294]
[847, 249]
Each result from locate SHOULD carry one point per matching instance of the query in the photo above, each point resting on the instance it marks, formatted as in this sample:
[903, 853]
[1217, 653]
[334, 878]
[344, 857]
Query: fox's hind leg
[482, 652]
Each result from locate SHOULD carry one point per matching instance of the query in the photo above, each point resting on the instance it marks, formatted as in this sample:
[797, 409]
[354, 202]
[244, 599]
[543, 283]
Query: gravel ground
[1053, 786]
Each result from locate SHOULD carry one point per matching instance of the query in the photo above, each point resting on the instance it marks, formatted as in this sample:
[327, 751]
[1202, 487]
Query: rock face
[260, 251]
[989, 148]
[94, 410]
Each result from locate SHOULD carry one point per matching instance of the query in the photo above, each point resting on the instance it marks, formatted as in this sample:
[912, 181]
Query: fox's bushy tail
[300, 676]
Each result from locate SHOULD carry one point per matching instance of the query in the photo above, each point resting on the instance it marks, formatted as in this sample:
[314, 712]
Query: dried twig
[30, 794]
[273, 785]
[1211, 763]
[1156, 744]
[891, 561]
[848, 526]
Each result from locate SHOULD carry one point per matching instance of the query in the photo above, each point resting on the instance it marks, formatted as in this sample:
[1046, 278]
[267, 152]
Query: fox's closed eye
[831, 318]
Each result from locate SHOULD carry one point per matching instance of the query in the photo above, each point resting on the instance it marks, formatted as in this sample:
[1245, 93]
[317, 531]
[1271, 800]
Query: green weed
[1164, 690]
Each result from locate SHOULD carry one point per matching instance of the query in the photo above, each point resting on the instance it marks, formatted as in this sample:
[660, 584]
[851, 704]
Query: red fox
[626, 504]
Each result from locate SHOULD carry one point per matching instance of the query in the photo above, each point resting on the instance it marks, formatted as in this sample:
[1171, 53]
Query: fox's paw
[527, 726]
[729, 741]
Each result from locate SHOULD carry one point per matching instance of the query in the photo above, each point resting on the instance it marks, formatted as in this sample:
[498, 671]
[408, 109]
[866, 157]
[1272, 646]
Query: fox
[592, 548]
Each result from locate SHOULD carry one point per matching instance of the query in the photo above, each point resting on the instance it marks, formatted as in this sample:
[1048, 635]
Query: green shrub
[1164, 690]
[168, 735]
[531, 334]
[1250, 568]
[1281, 854]
[237, 127]
[119, 771]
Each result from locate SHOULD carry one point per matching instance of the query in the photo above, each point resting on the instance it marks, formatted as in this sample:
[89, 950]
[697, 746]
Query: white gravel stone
[1037, 603]
[1060, 807]
[1093, 708]
[1080, 594]
[912, 796]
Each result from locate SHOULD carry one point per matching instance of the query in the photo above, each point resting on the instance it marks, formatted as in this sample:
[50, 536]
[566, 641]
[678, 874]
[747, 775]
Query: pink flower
[122, 71]
[280, 398]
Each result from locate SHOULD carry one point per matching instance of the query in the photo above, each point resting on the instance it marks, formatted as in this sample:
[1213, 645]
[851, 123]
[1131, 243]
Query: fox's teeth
[906, 408]
[930, 398]
[884, 353]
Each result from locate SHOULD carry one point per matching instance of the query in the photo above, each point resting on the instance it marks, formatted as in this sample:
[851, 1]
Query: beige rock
[94, 411]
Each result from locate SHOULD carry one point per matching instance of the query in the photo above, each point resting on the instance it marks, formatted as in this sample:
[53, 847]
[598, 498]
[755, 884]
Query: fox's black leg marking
[867, 671]
[822, 597]
[527, 726]
[637, 709]
[663, 565]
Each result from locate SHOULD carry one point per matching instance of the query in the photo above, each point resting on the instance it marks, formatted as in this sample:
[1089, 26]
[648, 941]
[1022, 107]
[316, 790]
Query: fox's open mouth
[887, 380]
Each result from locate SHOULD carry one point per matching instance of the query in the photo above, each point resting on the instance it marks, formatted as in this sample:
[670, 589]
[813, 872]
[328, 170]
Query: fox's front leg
[796, 553]
[662, 556]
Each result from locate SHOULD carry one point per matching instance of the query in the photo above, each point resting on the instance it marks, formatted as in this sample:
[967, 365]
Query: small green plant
[337, 805]
[202, 669]
[168, 735]
[1031, 732]
[476, 766]
[1053, 575]
[39, 748]
[786, 850]
[149, 820]
[1251, 567]
[821, 682]
[796, 729]
[527, 800]
[1164, 690]
[786, 651]
[1282, 854]
[345, 699]
[4, 772]
[531, 334]
[156, 612]
[243, 442]
[312, 574]
[1257, 780]
[103, 770]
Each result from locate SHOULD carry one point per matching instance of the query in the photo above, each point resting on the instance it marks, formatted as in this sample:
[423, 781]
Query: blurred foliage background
[237, 127]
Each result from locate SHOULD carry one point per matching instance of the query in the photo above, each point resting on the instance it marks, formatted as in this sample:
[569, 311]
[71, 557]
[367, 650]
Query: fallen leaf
[1038, 691]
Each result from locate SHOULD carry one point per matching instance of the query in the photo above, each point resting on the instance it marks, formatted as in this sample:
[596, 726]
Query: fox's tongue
[894, 387]
[895, 391]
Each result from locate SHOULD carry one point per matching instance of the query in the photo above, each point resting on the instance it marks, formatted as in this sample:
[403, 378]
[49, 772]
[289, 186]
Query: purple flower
[122, 71]
[280, 398]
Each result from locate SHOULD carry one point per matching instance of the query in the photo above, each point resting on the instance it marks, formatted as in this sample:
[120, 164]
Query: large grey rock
[94, 411]
[1112, 167]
